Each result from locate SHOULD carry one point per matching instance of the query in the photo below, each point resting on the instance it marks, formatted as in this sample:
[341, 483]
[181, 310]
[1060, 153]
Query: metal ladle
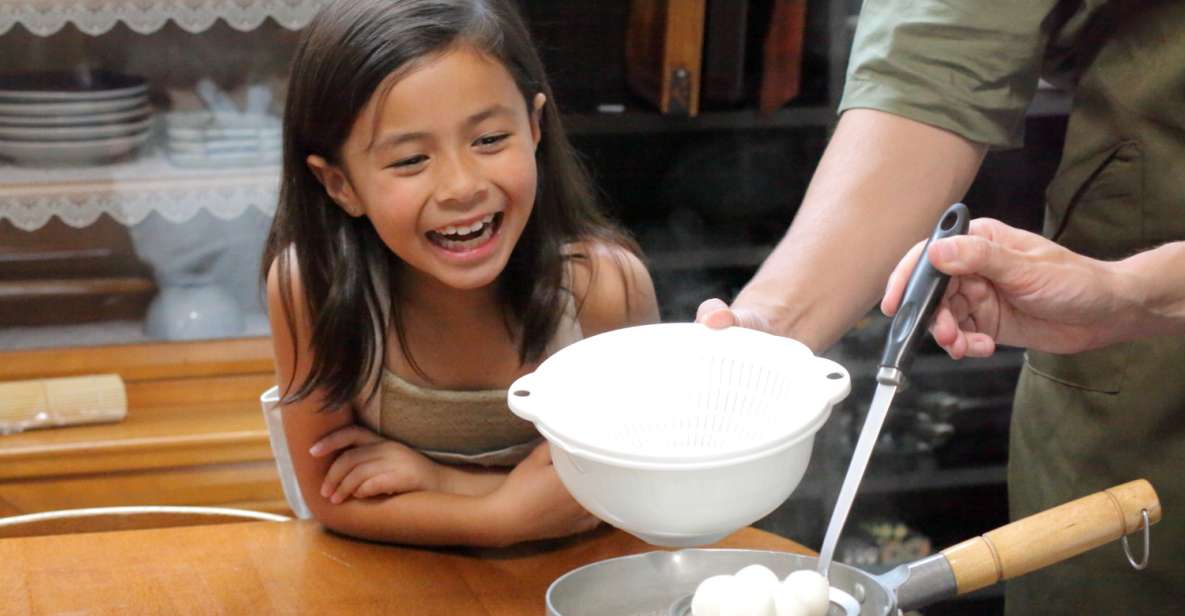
[922, 294]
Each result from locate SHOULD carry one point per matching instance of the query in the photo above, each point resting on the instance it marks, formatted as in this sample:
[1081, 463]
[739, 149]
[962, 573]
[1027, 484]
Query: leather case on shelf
[724, 52]
[782, 62]
[664, 51]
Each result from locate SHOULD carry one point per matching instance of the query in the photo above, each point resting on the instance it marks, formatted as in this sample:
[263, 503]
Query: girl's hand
[1015, 288]
[533, 504]
[371, 465]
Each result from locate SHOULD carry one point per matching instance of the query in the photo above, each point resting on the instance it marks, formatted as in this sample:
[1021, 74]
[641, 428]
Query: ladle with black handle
[922, 294]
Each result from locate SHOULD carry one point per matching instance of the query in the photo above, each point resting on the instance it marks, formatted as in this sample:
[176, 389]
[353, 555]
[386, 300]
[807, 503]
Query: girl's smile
[468, 240]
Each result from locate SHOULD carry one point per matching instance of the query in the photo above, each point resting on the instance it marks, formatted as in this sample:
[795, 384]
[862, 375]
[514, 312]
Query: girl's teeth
[457, 246]
[454, 230]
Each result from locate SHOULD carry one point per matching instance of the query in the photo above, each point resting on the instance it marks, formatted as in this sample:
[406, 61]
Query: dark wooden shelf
[934, 479]
[922, 480]
[637, 121]
[709, 258]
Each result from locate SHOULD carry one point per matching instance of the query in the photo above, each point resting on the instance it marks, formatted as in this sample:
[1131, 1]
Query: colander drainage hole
[835, 376]
[522, 393]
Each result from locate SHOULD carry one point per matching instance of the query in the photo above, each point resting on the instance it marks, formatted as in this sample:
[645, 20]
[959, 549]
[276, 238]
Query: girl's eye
[489, 140]
[410, 162]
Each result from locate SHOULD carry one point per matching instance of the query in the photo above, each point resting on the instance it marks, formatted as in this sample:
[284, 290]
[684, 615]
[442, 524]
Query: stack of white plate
[72, 118]
[222, 138]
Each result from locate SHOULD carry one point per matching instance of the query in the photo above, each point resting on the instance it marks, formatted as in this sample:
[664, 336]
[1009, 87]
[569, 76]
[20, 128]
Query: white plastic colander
[678, 433]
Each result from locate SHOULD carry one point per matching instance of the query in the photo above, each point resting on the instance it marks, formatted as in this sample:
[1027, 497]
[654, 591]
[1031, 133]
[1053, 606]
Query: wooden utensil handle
[1052, 536]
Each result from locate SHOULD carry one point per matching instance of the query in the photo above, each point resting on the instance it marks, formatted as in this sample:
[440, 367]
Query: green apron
[1085, 422]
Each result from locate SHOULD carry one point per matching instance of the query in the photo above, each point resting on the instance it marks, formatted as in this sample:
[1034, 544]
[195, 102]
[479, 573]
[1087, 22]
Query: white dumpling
[758, 574]
[811, 589]
[753, 595]
[786, 603]
[712, 594]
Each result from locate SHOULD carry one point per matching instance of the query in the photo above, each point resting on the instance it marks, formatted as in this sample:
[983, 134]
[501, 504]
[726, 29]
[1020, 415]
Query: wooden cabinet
[85, 249]
[194, 433]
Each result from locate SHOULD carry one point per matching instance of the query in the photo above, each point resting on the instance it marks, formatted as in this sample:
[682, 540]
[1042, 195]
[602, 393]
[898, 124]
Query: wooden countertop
[295, 568]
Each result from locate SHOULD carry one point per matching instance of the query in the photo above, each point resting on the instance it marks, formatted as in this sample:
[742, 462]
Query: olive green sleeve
[967, 66]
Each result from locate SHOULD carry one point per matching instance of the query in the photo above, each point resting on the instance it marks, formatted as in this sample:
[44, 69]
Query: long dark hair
[342, 59]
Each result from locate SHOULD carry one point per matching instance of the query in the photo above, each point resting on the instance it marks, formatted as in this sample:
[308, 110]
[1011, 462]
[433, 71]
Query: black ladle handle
[922, 294]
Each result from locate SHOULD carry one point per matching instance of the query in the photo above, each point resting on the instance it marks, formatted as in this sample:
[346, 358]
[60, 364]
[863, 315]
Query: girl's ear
[537, 117]
[336, 184]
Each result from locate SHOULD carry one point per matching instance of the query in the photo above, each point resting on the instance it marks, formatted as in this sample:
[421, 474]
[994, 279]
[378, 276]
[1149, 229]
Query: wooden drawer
[149, 438]
[250, 485]
[194, 432]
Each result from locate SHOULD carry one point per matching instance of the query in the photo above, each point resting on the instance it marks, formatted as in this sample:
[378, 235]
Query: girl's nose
[458, 182]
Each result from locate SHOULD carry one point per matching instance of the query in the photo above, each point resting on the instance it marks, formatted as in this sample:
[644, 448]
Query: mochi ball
[758, 574]
[754, 596]
[713, 594]
[811, 589]
[786, 603]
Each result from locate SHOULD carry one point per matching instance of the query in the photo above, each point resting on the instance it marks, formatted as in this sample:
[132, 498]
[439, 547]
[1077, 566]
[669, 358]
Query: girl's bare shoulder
[611, 284]
[287, 308]
[283, 273]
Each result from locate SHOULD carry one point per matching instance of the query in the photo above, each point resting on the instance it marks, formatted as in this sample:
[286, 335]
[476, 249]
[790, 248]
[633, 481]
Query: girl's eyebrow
[496, 109]
[393, 139]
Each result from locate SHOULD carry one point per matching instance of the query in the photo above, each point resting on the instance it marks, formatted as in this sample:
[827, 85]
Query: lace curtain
[128, 192]
[94, 17]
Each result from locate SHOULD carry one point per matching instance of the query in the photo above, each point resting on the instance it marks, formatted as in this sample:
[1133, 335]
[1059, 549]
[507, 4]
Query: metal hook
[1139, 566]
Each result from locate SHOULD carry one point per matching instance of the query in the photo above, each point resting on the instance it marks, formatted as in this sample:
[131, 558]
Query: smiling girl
[436, 238]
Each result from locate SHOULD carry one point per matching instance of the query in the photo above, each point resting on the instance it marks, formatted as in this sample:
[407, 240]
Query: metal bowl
[662, 583]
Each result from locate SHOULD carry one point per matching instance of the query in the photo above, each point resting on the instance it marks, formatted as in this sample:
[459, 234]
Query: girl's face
[444, 168]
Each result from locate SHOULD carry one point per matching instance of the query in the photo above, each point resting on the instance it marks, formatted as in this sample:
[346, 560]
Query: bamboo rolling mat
[47, 403]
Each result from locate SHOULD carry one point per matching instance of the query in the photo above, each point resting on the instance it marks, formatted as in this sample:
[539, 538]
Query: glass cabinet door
[139, 166]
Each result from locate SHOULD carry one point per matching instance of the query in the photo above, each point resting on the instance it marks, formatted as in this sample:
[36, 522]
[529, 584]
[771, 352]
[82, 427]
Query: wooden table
[295, 568]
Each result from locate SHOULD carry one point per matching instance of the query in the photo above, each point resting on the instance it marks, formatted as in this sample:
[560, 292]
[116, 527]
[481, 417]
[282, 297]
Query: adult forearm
[881, 184]
[1151, 291]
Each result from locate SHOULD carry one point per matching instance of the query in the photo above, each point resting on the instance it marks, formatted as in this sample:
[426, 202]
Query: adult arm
[882, 182]
[929, 83]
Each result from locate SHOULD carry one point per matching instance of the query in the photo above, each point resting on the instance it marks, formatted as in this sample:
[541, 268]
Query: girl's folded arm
[367, 464]
[419, 518]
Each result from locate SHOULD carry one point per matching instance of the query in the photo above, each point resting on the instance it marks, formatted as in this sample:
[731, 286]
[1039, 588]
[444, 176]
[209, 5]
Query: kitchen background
[151, 230]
